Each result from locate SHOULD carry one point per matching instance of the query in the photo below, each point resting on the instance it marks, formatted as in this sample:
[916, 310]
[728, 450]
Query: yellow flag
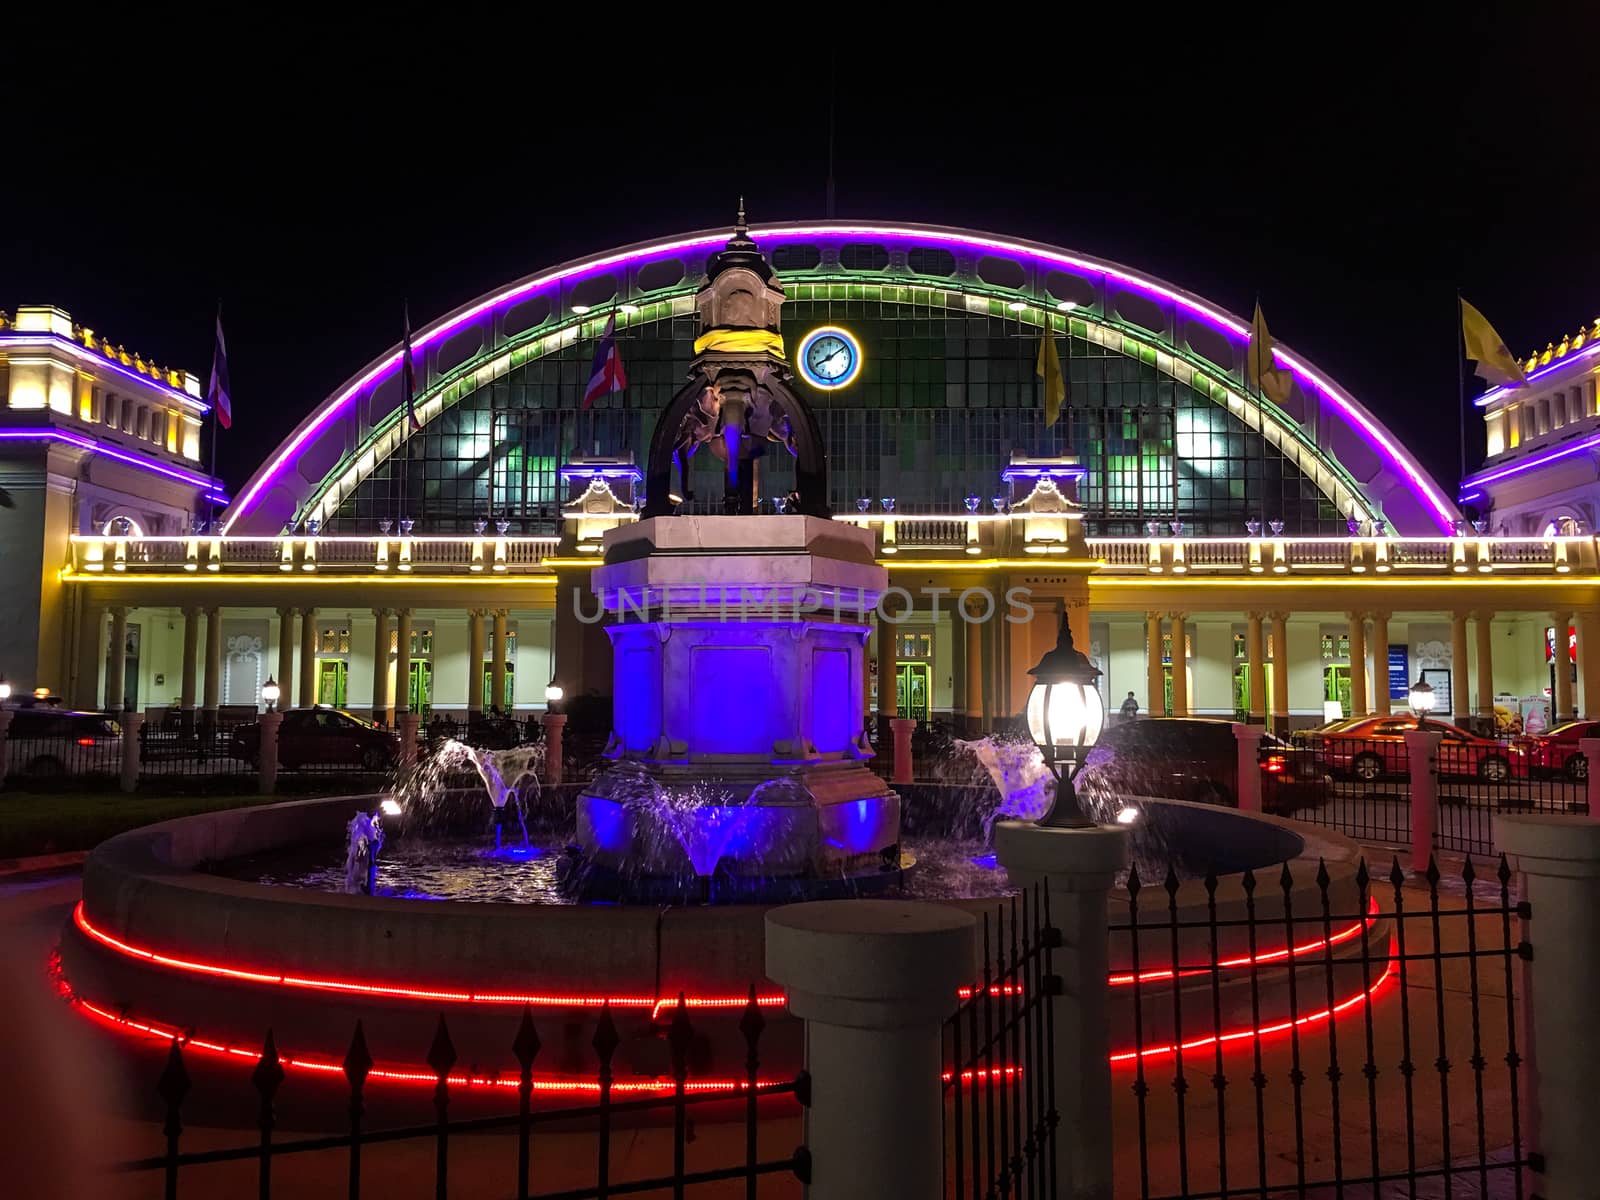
[1048, 368]
[1265, 375]
[1485, 347]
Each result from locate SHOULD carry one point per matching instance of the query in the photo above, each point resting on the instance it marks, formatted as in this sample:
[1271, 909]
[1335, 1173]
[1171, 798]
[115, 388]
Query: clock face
[830, 357]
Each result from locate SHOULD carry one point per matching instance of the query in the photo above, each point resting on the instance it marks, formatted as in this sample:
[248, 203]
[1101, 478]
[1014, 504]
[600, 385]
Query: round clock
[830, 357]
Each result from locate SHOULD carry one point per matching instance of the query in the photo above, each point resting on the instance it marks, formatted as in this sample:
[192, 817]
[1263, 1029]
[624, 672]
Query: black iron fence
[522, 1170]
[1273, 1052]
[1367, 792]
[1001, 1115]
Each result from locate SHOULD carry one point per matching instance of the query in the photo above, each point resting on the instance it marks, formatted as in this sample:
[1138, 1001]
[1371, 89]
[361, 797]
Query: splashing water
[511, 777]
[364, 838]
[1025, 784]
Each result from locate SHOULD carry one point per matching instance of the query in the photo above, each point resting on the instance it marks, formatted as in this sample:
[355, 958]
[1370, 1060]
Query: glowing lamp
[554, 693]
[1065, 715]
[1421, 698]
[270, 691]
[5, 689]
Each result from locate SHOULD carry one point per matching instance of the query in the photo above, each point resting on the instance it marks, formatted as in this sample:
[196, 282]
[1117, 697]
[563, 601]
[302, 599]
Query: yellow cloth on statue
[740, 341]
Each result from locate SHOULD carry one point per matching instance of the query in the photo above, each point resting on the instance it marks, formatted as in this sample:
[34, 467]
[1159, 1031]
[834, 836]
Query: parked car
[1556, 751]
[1375, 748]
[1193, 758]
[50, 741]
[318, 737]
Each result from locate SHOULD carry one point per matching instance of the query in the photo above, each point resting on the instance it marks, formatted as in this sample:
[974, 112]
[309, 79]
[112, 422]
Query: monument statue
[739, 399]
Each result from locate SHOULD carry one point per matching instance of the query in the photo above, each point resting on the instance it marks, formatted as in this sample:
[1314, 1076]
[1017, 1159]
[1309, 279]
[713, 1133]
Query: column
[1155, 676]
[1358, 665]
[1565, 710]
[1460, 689]
[380, 666]
[1485, 665]
[1589, 661]
[873, 981]
[402, 661]
[1256, 647]
[117, 668]
[888, 709]
[1280, 672]
[212, 696]
[308, 657]
[1180, 664]
[191, 662]
[1558, 858]
[1079, 867]
[1380, 664]
[285, 675]
[976, 721]
[497, 671]
[475, 660]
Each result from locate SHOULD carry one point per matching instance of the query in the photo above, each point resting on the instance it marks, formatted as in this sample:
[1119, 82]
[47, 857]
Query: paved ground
[76, 1099]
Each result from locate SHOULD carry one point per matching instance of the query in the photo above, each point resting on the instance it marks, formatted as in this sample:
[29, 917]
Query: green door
[1241, 692]
[331, 676]
[420, 690]
[912, 691]
[1336, 686]
[487, 690]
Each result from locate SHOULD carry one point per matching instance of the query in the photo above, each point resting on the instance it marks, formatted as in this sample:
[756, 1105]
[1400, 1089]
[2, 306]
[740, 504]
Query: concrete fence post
[1078, 866]
[1558, 856]
[554, 730]
[1422, 767]
[409, 723]
[267, 758]
[132, 722]
[874, 981]
[1590, 749]
[5, 741]
[1249, 782]
[902, 729]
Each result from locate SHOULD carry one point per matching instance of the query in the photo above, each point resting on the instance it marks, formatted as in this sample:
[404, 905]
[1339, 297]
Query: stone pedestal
[554, 727]
[1559, 858]
[267, 766]
[874, 981]
[1248, 738]
[131, 723]
[1422, 765]
[737, 649]
[902, 728]
[1078, 867]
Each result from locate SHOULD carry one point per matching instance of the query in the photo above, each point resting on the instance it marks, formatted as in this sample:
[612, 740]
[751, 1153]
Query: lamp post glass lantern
[5, 689]
[1421, 698]
[1065, 715]
[270, 691]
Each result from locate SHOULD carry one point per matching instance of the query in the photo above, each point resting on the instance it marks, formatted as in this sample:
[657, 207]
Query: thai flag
[607, 375]
[217, 395]
[408, 372]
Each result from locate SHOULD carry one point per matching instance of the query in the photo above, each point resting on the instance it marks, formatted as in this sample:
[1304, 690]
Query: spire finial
[740, 226]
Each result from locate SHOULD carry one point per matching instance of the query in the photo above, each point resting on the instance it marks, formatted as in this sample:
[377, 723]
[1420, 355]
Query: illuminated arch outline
[361, 449]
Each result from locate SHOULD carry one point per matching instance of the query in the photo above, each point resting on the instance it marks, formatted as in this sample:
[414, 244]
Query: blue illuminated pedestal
[738, 666]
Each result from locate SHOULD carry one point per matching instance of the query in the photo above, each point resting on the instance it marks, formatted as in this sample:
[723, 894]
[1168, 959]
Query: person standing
[1130, 708]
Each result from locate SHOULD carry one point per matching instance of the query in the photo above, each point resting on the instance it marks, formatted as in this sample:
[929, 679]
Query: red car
[1557, 753]
[1375, 749]
[322, 737]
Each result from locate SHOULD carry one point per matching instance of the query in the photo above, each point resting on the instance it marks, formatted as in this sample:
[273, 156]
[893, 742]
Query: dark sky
[1353, 177]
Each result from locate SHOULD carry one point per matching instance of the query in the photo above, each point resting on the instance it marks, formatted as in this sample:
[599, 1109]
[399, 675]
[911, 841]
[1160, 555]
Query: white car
[50, 743]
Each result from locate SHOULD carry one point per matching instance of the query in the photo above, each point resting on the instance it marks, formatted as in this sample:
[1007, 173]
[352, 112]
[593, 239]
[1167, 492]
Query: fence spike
[1432, 874]
[1211, 882]
[1133, 880]
[268, 1075]
[174, 1083]
[752, 1022]
[526, 1045]
[1468, 874]
[605, 1041]
[1286, 878]
[1248, 881]
[1171, 881]
[442, 1054]
[680, 1035]
[1504, 873]
[357, 1059]
[1363, 880]
[1397, 876]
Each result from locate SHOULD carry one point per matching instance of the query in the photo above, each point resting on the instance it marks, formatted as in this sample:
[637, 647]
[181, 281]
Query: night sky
[1353, 189]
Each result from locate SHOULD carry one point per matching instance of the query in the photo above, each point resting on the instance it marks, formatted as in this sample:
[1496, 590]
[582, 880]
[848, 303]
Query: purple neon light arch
[1352, 411]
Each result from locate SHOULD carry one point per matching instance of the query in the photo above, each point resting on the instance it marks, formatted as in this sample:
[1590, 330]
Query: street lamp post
[270, 691]
[1065, 715]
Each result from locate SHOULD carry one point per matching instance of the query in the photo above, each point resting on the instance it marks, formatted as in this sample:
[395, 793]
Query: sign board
[1399, 673]
[1438, 678]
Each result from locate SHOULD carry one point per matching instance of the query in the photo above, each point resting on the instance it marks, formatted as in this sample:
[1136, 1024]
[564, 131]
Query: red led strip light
[534, 999]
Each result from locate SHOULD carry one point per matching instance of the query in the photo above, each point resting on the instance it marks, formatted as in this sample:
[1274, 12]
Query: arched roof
[1353, 457]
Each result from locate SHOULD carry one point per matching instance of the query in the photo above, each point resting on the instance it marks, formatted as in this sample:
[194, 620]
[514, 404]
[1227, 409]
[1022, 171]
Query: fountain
[363, 840]
[511, 777]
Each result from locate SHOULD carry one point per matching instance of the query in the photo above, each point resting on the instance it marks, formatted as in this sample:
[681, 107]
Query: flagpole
[1461, 391]
[211, 502]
